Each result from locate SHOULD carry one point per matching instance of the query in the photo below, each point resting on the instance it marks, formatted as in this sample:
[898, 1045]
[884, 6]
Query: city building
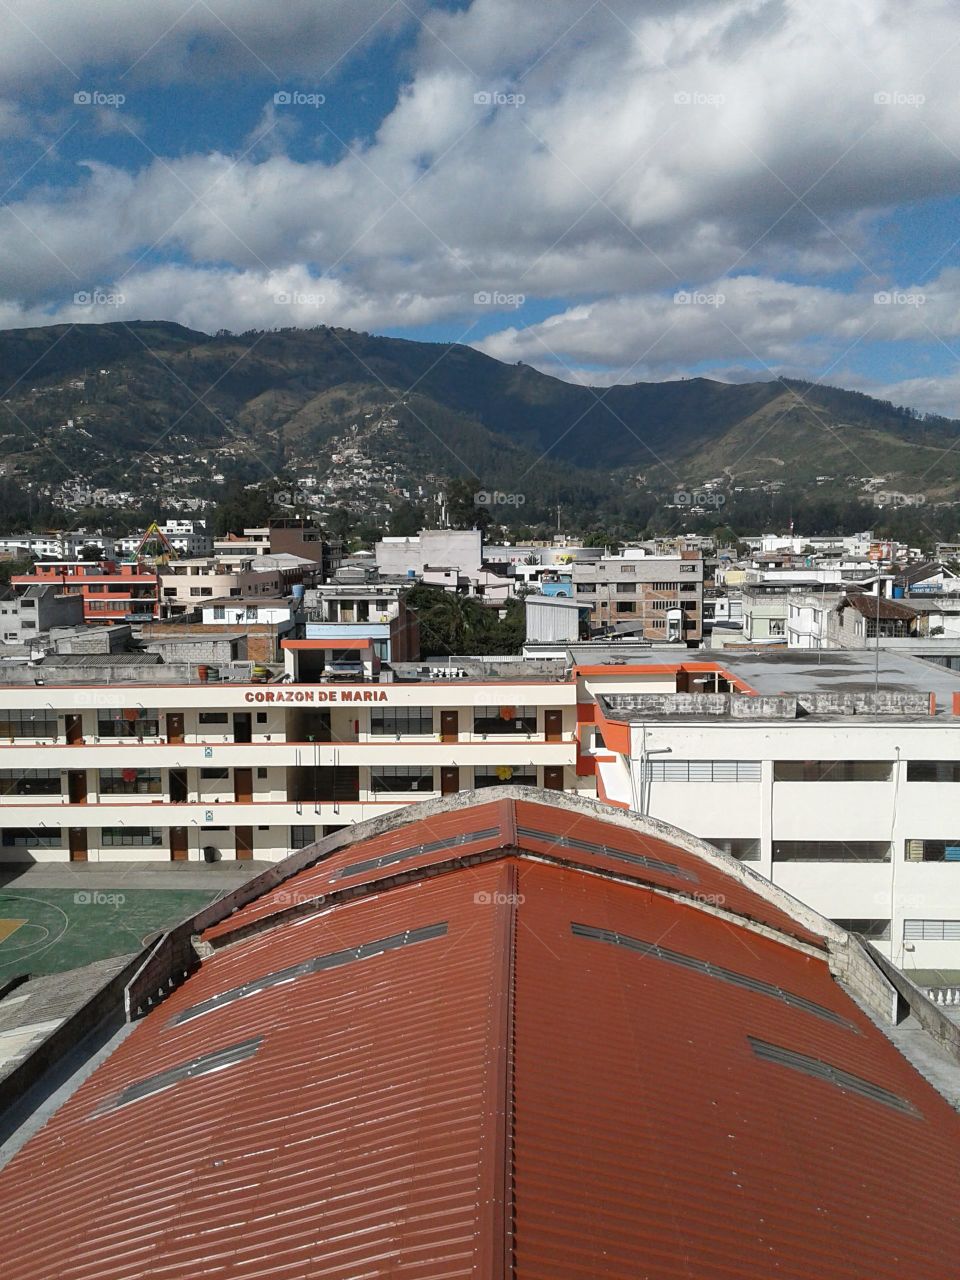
[189, 539]
[26, 616]
[339, 617]
[831, 772]
[186, 585]
[517, 1036]
[110, 591]
[653, 596]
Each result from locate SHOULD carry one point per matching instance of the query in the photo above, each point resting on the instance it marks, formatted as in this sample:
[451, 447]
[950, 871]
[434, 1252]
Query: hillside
[153, 408]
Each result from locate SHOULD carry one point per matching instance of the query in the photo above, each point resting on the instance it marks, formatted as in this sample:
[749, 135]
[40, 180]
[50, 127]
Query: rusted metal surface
[651, 1141]
[699, 879]
[320, 879]
[363, 1138]
[516, 1069]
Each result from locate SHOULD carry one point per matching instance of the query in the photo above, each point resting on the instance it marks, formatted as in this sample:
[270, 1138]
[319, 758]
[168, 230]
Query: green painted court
[48, 930]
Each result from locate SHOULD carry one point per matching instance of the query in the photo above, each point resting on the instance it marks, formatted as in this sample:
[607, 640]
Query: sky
[616, 191]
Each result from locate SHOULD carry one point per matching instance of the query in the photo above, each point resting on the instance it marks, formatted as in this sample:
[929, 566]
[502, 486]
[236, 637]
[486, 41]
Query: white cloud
[737, 147]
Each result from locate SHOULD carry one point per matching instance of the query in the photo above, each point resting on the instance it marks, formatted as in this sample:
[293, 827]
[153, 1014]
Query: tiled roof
[551, 1063]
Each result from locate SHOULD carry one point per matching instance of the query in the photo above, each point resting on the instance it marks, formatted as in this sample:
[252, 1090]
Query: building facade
[656, 597]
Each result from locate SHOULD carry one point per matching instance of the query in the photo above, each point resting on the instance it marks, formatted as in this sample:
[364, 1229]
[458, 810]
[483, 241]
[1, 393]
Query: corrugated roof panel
[483, 824]
[711, 884]
[360, 1140]
[651, 1141]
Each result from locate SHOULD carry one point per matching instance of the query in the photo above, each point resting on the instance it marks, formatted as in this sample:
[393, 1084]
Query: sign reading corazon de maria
[315, 695]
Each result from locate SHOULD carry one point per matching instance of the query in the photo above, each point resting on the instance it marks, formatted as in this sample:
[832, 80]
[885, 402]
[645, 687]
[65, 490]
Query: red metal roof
[536, 828]
[517, 1068]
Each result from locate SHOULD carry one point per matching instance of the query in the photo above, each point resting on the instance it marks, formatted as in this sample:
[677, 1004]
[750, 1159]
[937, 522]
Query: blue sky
[611, 191]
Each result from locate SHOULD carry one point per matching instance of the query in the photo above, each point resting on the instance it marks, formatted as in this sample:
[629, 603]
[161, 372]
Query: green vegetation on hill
[152, 407]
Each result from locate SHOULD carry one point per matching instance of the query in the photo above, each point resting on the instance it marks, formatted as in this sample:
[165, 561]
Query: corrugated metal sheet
[364, 1138]
[708, 883]
[496, 1094]
[328, 874]
[651, 1142]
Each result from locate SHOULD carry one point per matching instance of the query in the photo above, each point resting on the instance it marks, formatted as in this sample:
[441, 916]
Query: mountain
[149, 407]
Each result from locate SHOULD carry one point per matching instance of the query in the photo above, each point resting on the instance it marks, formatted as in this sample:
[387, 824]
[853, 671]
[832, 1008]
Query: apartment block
[654, 597]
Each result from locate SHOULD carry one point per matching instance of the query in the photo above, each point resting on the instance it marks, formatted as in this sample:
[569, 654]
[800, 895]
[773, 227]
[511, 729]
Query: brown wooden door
[78, 844]
[449, 725]
[74, 729]
[174, 726]
[449, 781]
[178, 844]
[178, 786]
[243, 785]
[553, 725]
[244, 837]
[77, 786]
[553, 777]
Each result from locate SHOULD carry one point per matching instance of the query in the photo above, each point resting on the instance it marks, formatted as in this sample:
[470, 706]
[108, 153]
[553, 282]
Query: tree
[90, 551]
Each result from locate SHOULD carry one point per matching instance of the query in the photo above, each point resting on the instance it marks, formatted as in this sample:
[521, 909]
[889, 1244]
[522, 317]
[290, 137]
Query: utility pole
[558, 517]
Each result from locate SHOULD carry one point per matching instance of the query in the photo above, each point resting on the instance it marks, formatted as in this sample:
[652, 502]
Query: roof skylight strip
[825, 1071]
[319, 964]
[402, 855]
[203, 1065]
[757, 985]
[621, 855]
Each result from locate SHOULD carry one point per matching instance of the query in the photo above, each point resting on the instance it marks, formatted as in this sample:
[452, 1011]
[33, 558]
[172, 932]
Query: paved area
[222, 876]
[57, 916]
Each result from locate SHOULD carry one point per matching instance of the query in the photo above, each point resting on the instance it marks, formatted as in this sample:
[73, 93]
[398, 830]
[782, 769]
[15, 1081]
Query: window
[627, 568]
[261, 717]
[402, 722]
[219, 613]
[688, 568]
[947, 850]
[32, 837]
[129, 837]
[878, 929]
[29, 782]
[401, 778]
[300, 837]
[129, 722]
[777, 627]
[832, 770]
[626, 588]
[261, 773]
[215, 775]
[518, 775]
[933, 771]
[27, 724]
[214, 717]
[505, 719]
[626, 606]
[703, 770]
[830, 851]
[130, 782]
[744, 849]
[931, 930]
